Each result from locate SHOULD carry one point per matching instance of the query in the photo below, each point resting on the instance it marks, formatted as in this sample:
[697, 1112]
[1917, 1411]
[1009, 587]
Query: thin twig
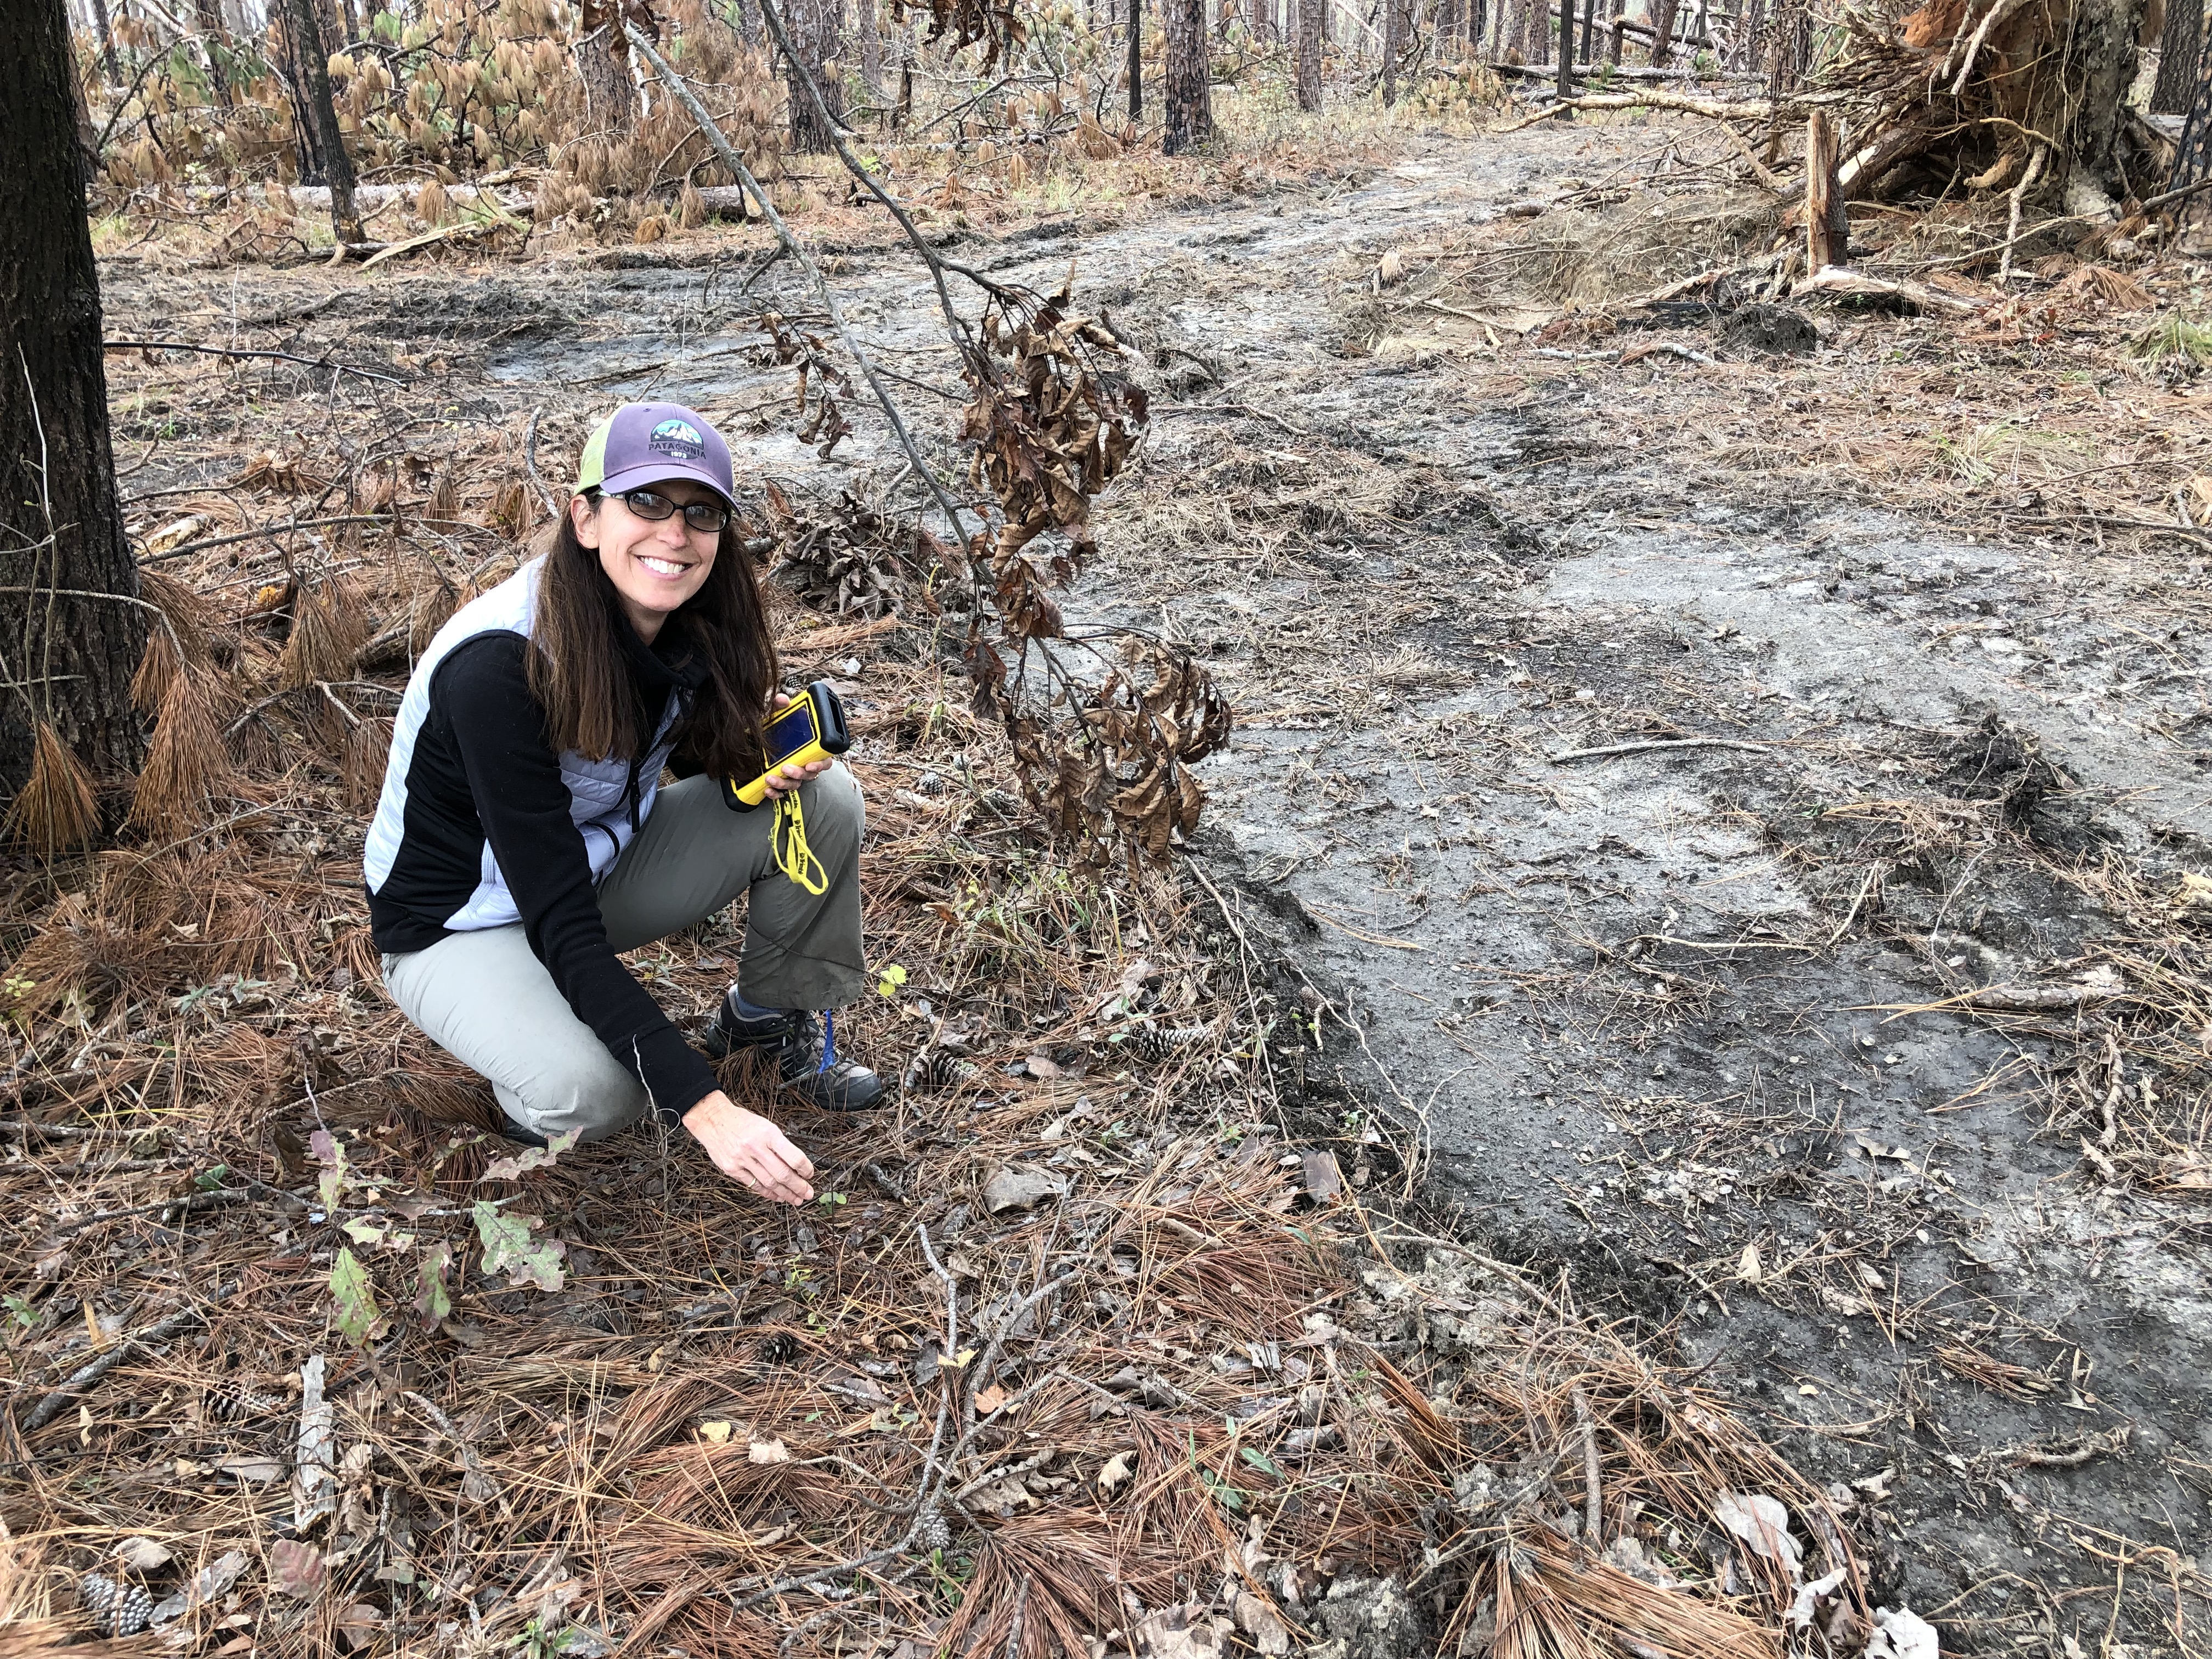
[239, 351]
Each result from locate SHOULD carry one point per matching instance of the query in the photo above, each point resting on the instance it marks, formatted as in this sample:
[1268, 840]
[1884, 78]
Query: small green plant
[888, 979]
[2170, 338]
[21, 1313]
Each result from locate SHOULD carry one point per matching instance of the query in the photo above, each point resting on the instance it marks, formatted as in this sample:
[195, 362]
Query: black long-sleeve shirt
[484, 773]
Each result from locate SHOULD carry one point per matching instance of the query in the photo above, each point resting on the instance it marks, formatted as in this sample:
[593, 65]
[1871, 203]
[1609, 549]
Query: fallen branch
[85, 1375]
[1739, 109]
[237, 351]
[1837, 279]
[1611, 749]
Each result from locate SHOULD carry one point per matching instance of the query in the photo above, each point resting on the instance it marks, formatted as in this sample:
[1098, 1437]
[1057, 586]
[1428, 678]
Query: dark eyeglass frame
[708, 518]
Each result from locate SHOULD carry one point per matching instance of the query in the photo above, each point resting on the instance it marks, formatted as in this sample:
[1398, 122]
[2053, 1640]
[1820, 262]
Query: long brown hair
[579, 675]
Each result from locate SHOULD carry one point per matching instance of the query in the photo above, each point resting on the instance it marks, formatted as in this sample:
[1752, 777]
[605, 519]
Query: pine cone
[778, 1350]
[930, 1531]
[116, 1609]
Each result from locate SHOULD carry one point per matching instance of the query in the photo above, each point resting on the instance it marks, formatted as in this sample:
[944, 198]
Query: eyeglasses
[704, 516]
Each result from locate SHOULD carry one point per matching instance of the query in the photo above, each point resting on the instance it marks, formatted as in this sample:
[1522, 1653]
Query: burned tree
[77, 632]
[316, 114]
[1188, 95]
[2177, 47]
[1308, 59]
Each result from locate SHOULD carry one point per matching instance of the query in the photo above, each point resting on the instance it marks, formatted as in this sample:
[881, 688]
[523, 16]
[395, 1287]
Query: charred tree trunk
[66, 661]
[2177, 47]
[1136, 44]
[603, 66]
[812, 26]
[313, 109]
[1187, 98]
[1793, 46]
[2192, 156]
[1308, 76]
[106, 43]
[1663, 32]
[1394, 42]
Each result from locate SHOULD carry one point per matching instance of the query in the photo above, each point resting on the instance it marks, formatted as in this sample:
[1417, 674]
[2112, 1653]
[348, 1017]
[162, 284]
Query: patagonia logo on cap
[677, 440]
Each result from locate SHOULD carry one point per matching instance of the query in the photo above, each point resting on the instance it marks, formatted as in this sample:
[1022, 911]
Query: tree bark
[872, 49]
[1663, 32]
[1136, 44]
[2100, 60]
[106, 43]
[312, 109]
[1827, 236]
[63, 659]
[1188, 97]
[2178, 48]
[603, 66]
[812, 26]
[1566, 51]
[2192, 156]
[1308, 76]
[1394, 42]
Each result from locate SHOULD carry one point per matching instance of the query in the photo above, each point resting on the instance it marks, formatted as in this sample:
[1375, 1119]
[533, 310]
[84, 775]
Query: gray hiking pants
[485, 998]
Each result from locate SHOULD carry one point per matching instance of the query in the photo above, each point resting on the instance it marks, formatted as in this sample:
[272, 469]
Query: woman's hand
[787, 776]
[749, 1149]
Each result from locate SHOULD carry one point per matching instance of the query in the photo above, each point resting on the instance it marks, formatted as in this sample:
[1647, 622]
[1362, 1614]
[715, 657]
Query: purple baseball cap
[641, 444]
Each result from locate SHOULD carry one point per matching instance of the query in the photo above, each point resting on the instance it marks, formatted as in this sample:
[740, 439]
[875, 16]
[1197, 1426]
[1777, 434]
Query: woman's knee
[592, 1095]
[835, 814]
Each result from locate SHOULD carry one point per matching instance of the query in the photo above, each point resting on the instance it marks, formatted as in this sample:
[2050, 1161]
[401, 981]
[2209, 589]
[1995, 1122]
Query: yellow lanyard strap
[787, 839]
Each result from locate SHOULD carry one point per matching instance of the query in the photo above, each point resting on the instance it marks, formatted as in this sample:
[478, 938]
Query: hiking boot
[510, 1130]
[793, 1040]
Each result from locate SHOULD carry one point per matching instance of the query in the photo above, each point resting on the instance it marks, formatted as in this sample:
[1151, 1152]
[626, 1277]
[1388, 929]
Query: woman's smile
[656, 565]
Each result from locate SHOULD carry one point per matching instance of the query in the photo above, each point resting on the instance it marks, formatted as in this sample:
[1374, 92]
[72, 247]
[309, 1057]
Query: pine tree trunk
[1310, 13]
[1394, 42]
[872, 49]
[106, 43]
[1663, 32]
[2178, 48]
[1188, 98]
[2192, 156]
[603, 66]
[313, 111]
[2100, 60]
[67, 660]
[1136, 44]
[812, 26]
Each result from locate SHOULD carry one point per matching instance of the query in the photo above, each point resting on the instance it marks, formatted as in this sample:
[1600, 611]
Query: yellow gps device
[810, 727]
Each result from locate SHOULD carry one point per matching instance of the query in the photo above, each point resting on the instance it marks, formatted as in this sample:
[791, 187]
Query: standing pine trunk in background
[812, 26]
[313, 108]
[2192, 156]
[1394, 42]
[100, 21]
[1308, 69]
[603, 66]
[872, 49]
[1663, 32]
[2178, 48]
[1188, 96]
[66, 661]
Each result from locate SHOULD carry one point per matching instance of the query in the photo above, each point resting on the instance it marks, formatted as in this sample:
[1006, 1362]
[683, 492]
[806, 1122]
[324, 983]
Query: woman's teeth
[663, 566]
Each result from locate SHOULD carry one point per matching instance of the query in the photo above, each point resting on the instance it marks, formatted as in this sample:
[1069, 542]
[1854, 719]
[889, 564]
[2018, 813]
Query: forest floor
[1851, 1057]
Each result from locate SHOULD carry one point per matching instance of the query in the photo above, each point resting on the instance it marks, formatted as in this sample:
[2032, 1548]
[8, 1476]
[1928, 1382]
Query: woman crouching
[523, 838]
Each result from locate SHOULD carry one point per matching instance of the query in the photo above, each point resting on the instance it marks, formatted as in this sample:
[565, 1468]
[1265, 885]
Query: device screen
[791, 731]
